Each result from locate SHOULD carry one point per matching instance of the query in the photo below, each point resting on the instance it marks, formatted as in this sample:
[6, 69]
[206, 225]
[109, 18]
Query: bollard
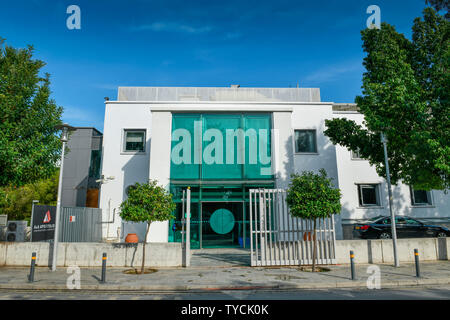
[33, 264]
[103, 280]
[352, 265]
[416, 258]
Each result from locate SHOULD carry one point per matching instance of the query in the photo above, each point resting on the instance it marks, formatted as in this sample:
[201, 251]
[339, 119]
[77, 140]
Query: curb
[186, 288]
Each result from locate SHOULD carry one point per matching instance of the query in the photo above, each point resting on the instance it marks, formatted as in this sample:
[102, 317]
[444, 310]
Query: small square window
[420, 197]
[356, 155]
[134, 141]
[368, 195]
[305, 141]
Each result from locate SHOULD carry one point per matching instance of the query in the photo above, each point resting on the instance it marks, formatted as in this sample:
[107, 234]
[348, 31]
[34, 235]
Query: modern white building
[221, 142]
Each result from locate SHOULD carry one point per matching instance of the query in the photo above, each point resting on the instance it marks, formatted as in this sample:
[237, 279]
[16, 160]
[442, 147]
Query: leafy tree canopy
[440, 5]
[16, 202]
[29, 146]
[406, 96]
[311, 196]
[147, 202]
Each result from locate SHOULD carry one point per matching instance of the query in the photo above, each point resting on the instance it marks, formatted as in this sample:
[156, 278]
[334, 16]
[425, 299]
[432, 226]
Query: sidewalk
[201, 278]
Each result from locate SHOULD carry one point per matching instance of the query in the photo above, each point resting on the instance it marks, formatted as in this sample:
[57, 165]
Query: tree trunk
[315, 248]
[143, 247]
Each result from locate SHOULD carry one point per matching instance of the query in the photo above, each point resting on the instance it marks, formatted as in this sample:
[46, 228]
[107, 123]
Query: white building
[181, 137]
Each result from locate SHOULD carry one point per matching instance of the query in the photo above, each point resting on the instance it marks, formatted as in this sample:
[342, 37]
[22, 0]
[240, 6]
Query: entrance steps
[223, 257]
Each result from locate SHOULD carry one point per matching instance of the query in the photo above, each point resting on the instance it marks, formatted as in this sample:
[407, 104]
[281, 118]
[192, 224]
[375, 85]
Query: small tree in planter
[312, 196]
[147, 202]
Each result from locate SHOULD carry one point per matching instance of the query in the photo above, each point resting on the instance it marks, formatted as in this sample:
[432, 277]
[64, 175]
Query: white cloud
[233, 35]
[172, 27]
[334, 72]
[85, 117]
[106, 86]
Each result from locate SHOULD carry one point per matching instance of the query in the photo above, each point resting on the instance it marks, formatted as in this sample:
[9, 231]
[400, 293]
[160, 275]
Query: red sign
[47, 217]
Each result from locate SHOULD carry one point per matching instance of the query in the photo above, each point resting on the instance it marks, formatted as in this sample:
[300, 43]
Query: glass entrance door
[222, 224]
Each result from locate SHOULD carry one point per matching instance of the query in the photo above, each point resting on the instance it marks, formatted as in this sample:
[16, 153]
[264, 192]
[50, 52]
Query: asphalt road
[407, 293]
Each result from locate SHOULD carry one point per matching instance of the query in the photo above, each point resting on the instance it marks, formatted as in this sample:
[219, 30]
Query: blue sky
[196, 43]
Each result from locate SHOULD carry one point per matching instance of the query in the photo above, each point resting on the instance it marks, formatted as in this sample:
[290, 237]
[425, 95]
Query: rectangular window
[134, 141]
[356, 155]
[420, 197]
[305, 141]
[369, 195]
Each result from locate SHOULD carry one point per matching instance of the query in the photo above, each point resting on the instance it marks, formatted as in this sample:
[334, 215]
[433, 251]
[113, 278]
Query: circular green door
[222, 221]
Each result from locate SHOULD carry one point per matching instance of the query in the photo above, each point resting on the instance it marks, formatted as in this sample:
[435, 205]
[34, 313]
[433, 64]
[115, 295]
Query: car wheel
[441, 235]
[384, 235]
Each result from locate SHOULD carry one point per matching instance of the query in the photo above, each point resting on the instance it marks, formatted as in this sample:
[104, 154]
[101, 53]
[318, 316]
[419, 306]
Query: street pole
[188, 227]
[388, 178]
[32, 215]
[58, 209]
[65, 128]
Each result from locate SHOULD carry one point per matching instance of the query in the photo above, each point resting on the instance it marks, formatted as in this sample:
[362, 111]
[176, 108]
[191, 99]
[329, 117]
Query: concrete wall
[90, 254]
[170, 254]
[381, 251]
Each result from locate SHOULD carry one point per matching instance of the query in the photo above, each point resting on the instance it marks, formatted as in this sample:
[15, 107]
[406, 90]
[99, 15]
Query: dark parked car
[380, 228]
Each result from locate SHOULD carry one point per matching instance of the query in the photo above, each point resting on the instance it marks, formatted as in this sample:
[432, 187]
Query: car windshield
[413, 221]
[377, 220]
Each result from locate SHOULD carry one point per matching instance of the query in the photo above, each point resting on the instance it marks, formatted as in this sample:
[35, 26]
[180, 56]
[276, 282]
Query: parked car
[406, 227]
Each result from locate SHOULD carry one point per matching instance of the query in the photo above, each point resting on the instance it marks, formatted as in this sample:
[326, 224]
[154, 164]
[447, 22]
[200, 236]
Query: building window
[356, 155]
[369, 195]
[420, 197]
[305, 141]
[134, 141]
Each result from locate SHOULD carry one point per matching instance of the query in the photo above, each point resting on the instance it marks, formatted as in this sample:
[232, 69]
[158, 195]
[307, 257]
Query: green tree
[29, 146]
[405, 95]
[16, 202]
[440, 5]
[312, 196]
[147, 202]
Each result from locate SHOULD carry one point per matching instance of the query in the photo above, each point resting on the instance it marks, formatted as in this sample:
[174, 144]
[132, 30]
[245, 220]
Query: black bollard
[33, 264]
[104, 268]
[416, 257]
[352, 265]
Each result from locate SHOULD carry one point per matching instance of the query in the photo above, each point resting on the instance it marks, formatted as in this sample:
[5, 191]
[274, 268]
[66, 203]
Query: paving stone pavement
[225, 277]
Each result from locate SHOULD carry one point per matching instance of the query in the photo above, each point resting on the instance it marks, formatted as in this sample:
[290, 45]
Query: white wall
[282, 155]
[313, 117]
[352, 172]
[336, 160]
[160, 166]
[126, 168]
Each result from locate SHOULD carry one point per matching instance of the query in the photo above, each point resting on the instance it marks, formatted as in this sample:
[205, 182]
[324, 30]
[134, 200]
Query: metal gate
[80, 224]
[279, 239]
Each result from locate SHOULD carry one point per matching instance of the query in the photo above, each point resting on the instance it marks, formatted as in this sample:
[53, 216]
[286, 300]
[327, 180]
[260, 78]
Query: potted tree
[312, 196]
[147, 202]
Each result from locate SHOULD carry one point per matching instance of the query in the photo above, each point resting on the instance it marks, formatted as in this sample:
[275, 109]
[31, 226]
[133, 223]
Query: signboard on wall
[43, 227]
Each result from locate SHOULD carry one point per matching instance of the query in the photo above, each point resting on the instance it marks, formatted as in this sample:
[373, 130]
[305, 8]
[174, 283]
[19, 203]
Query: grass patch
[317, 269]
[138, 271]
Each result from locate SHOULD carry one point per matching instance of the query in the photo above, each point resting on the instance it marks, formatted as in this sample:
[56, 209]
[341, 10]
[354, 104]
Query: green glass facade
[220, 157]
